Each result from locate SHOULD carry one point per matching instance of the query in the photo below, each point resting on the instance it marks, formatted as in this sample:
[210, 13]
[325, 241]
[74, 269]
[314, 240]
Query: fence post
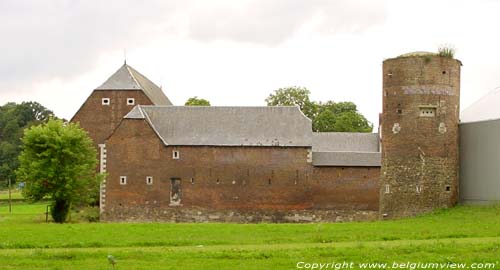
[10, 197]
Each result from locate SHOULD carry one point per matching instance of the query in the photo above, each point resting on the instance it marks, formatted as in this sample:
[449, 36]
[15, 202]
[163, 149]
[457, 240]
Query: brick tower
[419, 130]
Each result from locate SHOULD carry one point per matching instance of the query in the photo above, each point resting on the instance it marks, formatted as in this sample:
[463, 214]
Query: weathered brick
[417, 151]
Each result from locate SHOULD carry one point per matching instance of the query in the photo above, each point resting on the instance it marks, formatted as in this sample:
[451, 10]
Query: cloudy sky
[237, 52]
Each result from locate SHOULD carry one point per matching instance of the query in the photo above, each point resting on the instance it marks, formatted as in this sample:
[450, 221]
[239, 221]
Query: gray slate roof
[258, 126]
[127, 78]
[227, 126]
[369, 159]
[345, 141]
[346, 149]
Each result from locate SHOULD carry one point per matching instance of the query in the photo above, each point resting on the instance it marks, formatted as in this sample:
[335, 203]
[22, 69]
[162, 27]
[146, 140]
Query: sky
[238, 52]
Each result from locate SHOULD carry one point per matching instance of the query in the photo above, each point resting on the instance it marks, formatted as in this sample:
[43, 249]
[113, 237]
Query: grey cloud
[272, 22]
[63, 38]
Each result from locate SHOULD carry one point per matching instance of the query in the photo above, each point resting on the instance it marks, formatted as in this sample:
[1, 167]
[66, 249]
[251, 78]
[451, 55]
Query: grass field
[465, 234]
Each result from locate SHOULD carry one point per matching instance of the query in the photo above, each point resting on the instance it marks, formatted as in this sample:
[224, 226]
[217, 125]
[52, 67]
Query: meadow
[465, 234]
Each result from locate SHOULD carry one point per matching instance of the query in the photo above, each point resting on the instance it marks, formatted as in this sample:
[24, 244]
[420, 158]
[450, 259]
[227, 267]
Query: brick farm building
[265, 164]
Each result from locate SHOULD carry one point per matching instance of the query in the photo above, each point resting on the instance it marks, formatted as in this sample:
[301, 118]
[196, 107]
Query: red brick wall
[237, 178]
[100, 120]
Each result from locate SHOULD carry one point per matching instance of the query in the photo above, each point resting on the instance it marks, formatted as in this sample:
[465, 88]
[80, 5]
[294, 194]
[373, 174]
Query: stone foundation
[183, 215]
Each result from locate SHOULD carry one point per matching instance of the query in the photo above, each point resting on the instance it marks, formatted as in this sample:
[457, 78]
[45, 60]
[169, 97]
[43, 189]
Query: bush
[86, 214]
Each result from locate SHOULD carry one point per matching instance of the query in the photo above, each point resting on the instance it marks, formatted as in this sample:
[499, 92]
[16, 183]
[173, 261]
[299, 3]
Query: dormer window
[130, 101]
[105, 101]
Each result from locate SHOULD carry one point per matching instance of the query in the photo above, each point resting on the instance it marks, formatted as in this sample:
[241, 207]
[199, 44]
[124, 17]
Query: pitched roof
[346, 149]
[345, 141]
[127, 78]
[227, 126]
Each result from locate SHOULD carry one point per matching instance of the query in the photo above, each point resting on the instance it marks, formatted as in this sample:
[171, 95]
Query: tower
[419, 130]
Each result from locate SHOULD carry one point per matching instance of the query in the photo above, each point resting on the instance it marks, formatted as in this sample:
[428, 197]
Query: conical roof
[486, 108]
[127, 78]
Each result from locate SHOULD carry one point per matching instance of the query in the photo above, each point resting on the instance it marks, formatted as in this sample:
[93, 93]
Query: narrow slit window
[149, 180]
[175, 154]
[130, 101]
[106, 101]
[123, 180]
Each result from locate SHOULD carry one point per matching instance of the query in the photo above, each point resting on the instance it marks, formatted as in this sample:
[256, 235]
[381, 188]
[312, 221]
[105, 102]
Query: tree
[195, 101]
[326, 117]
[58, 161]
[14, 118]
[293, 96]
[340, 117]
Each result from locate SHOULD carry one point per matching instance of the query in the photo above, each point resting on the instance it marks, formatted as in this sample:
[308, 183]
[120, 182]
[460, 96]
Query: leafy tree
[293, 96]
[58, 160]
[325, 122]
[14, 118]
[326, 117]
[340, 117]
[195, 101]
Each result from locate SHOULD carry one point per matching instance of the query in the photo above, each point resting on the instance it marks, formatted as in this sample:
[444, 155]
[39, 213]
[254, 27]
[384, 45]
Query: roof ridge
[133, 77]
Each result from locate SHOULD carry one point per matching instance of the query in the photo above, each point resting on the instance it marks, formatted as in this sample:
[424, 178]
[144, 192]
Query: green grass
[463, 234]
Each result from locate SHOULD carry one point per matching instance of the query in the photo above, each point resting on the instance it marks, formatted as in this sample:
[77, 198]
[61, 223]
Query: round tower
[419, 130]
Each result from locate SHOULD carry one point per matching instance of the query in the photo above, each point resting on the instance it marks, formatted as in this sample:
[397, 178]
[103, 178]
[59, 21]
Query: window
[175, 154]
[130, 101]
[419, 189]
[123, 180]
[105, 101]
[192, 180]
[387, 189]
[149, 180]
[448, 188]
[427, 111]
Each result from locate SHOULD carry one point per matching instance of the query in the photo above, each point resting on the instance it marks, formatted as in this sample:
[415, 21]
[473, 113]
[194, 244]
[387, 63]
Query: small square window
[427, 112]
[448, 188]
[175, 154]
[149, 180]
[105, 101]
[123, 180]
[130, 101]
